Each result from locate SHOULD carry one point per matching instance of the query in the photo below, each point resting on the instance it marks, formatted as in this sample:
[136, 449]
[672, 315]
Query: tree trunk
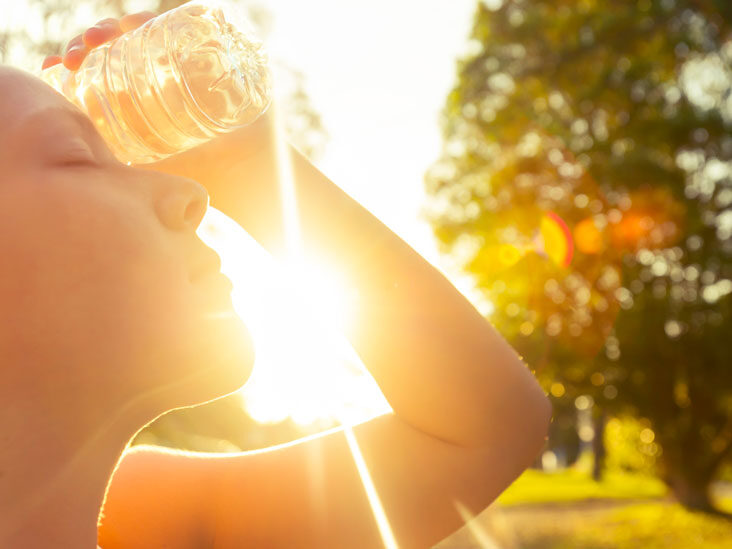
[692, 493]
[598, 445]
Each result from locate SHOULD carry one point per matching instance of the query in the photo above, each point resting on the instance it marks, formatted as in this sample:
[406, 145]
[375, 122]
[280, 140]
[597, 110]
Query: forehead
[22, 95]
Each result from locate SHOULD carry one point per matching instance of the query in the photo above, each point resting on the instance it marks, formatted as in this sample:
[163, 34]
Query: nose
[182, 203]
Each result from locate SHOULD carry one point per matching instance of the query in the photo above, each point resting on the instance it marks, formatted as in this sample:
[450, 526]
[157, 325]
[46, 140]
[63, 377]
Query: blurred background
[568, 165]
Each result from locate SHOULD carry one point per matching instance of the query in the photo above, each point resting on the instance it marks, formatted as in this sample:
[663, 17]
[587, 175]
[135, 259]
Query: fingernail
[104, 24]
[50, 61]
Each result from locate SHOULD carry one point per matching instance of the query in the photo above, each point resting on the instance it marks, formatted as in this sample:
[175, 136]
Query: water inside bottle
[173, 83]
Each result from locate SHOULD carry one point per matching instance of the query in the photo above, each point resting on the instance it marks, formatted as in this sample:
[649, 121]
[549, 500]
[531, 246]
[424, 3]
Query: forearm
[441, 366]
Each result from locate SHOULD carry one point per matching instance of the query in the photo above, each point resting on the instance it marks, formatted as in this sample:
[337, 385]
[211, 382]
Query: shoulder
[157, 498]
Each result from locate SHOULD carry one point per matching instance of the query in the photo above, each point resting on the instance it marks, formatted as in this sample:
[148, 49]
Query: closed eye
[79, 162]
[76, 158]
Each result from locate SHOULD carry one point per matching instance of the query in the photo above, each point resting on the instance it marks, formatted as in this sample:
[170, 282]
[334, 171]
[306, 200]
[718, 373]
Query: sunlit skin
[104, 322]
[106, 331]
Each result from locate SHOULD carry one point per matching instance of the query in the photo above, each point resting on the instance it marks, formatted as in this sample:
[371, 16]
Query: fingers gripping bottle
[178, 80]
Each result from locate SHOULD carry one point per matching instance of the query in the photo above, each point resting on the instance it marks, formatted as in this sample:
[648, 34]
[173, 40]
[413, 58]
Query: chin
[221, 365]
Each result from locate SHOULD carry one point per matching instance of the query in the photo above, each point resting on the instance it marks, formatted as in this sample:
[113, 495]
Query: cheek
[92, 275]
[133, 290]
[95, 279]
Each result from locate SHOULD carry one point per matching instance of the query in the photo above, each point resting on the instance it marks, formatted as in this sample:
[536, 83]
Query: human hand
[197, 163]
[76, 51]
[105, 30]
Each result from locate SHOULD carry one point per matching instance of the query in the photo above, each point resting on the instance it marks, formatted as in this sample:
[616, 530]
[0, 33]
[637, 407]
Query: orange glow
[654, 220]
[633, 229]
[589, 237]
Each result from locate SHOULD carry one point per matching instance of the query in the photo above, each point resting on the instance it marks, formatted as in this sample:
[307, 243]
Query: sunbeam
[294, 251]
[387, 536]
[290, 217]
[481, 536]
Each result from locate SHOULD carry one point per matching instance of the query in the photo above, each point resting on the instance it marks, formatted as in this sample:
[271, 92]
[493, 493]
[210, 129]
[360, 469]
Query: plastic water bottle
[178, 80]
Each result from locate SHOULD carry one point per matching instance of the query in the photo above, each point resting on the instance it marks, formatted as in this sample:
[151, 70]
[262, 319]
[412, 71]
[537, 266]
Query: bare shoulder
[331, 490]
[156, 498]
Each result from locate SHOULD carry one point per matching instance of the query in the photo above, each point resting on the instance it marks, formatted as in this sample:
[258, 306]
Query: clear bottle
[178, 80]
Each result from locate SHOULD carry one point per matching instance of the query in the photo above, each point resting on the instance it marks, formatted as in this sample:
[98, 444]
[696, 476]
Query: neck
[56, 458]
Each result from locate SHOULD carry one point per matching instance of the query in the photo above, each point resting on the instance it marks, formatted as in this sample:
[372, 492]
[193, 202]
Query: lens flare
[552, 239]
[509, 254]
[556, 239]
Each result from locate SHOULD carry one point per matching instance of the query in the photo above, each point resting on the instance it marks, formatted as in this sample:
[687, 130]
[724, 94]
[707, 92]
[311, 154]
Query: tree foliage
[616, 117]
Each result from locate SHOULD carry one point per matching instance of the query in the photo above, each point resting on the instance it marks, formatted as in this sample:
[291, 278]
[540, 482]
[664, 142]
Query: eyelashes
[76, 157]
[76, 162]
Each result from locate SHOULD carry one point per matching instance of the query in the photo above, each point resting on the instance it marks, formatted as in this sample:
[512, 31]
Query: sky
[378, 72]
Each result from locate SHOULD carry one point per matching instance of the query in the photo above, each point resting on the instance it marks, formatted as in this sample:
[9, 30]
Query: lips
[215, 291]
[208, 263]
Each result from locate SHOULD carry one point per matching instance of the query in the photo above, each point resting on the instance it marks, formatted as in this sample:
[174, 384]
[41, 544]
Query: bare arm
[468, 416]
[441, 365]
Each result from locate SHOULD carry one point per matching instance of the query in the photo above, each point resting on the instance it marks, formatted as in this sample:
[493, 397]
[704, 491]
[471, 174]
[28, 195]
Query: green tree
[614, 115]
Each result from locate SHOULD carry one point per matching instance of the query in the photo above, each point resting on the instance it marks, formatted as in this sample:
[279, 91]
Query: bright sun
[296, 312]
[305, 369]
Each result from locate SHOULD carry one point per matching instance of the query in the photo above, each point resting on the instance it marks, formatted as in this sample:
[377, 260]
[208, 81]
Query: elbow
[539, 427]
[544, 414]
[521, 428]
[547, 410]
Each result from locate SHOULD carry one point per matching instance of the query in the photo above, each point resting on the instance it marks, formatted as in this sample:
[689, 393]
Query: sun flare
[297, 313]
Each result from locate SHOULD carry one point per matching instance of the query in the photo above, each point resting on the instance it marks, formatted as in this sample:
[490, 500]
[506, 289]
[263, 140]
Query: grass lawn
[657, 525]
[567, 510]
[573, 485]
